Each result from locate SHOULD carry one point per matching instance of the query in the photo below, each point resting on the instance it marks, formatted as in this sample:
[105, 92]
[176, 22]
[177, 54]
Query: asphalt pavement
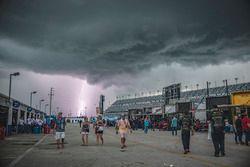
[157, 148]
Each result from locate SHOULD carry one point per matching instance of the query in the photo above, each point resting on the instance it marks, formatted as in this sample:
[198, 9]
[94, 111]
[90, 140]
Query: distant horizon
[125, 98]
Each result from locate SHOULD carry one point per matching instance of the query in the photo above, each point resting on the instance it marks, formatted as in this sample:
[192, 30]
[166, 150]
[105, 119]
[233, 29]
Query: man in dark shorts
[85, 131]
[99, 130]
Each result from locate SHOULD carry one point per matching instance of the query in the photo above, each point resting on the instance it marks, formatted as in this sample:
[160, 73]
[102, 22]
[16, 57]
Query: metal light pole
[50, 99]
[9, 119]
[225, 81]
[208, 84]
[31, 93]
[40, 104]
[14, 74]
[236, 80]
[46, 105]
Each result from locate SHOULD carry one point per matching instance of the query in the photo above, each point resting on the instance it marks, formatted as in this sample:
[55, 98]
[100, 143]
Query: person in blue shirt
[60, 130]
[146, 123]
[174, 126]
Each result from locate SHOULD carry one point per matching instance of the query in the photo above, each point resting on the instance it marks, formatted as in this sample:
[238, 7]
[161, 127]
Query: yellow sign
[241, 97]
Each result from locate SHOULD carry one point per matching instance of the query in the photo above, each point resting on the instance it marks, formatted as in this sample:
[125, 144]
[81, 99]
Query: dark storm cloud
[100, 40]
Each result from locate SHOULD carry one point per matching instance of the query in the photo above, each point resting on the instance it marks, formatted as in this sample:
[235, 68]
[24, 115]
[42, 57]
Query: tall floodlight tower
[101, 103]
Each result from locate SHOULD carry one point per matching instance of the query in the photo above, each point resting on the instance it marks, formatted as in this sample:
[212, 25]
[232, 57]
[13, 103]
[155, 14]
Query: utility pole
[227, 88]
[50, 99]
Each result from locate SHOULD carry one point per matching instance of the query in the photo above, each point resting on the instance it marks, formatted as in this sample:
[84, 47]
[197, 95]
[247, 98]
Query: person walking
[99, 128]
[80, 122]
[146, 124]
[29, 127]
[85, 131]
[174, 126]
[136, 123]
[21, 125]
[238, 130]
[60, 124]
[123, 125]
[131, 122]
[153, 124]
[218, 134]
[209, 134]
[246, 127]
[186, 126]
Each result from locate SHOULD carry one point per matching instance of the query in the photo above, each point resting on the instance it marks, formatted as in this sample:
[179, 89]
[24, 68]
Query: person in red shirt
[245, 128]
[248, 130]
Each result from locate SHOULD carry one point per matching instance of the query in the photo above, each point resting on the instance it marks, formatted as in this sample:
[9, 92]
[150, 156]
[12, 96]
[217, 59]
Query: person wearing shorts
[123, 125]
[85, 131]
[60, 130]
[99, 130]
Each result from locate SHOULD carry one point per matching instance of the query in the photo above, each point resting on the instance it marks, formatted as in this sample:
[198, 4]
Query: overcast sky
[84, 48]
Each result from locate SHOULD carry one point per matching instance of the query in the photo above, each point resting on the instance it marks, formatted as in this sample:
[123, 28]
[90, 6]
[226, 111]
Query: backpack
[186, 123]
[217, 119]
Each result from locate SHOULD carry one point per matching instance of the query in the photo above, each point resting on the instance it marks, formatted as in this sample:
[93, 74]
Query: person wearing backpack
[217, 131]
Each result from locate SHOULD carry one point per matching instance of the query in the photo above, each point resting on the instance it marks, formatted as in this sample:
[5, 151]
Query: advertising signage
[29, 109]
[16, 104]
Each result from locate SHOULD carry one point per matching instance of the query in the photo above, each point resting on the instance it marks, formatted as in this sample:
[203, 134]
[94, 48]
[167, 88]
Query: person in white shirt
[29, 122]
[21, 126]
[39, 122]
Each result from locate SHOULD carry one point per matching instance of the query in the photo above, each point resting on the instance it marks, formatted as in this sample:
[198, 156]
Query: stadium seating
[196, 96]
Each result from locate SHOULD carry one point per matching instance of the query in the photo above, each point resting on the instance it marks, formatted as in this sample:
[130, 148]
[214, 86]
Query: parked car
[163, 125]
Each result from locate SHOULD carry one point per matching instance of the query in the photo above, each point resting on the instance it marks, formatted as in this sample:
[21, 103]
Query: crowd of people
[123, 126]
[26, 126]
[242, 127]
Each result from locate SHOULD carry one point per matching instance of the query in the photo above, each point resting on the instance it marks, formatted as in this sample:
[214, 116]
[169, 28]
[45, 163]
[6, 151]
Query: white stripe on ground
[19, 158]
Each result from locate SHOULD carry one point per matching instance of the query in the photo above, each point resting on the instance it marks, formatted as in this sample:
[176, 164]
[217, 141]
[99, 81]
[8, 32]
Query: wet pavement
[157, 148]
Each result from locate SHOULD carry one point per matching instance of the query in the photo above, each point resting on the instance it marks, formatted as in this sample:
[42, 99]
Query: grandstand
[198, 98]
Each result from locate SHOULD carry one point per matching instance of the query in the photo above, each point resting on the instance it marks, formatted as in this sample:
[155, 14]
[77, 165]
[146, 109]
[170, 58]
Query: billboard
[183, 107]
[241, 97]
[211, 101]
[171, 92]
